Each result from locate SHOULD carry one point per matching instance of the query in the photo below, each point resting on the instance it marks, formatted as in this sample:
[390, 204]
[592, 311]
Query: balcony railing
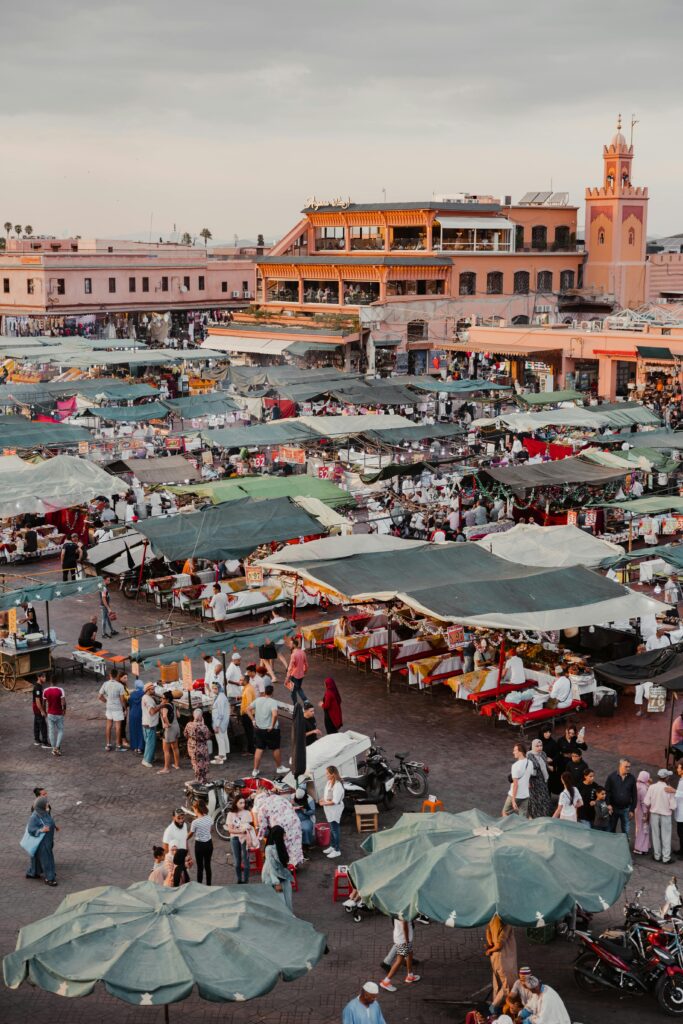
[327, 244]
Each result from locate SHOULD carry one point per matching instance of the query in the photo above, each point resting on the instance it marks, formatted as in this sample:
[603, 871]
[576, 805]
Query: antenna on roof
[634, 122]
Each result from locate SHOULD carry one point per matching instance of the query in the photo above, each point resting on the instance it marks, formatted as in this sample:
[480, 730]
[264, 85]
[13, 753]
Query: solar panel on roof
[542, 197]
[558, 199]
[528, 197]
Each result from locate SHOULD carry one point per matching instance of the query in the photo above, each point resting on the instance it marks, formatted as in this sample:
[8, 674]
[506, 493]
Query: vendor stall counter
[24, 659]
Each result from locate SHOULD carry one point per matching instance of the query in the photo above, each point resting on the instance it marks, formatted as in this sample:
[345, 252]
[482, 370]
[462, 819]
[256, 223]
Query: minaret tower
[616, 228]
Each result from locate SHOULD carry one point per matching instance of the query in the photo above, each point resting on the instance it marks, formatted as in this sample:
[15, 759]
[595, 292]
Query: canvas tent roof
[299, 486]
[663, 667]
[573, 470]
[461, 583]
[457, 387]
[49, 592]
[414, 432]
[231, 530]
[618, 415]
[128, 413]
[214, 643]
[18, 432]
[648, 506]
[216, 403]
[61, 482]
[172, 469]
[549, 397]
[550, 545]
[672, 439]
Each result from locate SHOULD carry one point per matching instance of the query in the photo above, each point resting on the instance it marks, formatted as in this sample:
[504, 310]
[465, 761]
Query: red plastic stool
[342, 884]
[255, 860]
[292, 869]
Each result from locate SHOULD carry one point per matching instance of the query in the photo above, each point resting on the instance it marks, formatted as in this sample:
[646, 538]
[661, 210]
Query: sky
[122, 119]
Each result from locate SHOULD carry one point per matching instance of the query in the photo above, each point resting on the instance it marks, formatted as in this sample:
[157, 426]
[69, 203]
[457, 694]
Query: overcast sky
[227, 113]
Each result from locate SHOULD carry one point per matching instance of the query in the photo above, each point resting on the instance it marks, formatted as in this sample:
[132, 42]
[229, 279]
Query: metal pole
[47, 615]
[142, 567]
[501, 661]
[630, 533]
[389, 643]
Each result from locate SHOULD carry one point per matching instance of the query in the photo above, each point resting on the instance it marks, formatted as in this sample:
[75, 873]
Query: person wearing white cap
[660, 800]
[233, 677]
[549, 1008]
[364, 1009]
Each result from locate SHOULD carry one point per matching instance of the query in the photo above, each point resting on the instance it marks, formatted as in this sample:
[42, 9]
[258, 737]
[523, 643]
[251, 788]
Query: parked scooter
[603, 963]
[375, 785]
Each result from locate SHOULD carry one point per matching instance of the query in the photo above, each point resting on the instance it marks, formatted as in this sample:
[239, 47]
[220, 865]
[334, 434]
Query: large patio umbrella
[151, 945]
[462, 869]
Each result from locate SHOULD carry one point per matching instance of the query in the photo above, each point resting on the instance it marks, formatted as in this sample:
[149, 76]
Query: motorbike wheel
[587, 961]
[416, 783]
[220, 824]
[669, 992]
[129, 589]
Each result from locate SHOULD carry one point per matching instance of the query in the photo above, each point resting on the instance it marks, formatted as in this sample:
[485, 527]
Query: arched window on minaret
[610, 181]
[631, 236]
[601, 237]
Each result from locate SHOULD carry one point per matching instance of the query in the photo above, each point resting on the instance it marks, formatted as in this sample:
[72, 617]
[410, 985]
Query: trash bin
[322, 833]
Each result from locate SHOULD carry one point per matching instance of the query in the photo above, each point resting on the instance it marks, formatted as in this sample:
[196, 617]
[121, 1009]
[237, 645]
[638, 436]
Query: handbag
[31, 843]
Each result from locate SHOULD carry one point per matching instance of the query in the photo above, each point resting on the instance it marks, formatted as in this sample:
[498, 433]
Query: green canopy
[461, 583]
[128, 413]
[49, 592]
[215, 403]
[261, 435]
[658, 354]
[647, 506]
[461, 869]
[457, 387]
[625, 414]
[211, 643]
[549, 397]
[114, 392]
[418, 432]
[150, 945]
[671, 553]
[255, 487]
[36, 434]
[396, 469]
[665, 439]
[231, 530]
[302, 348]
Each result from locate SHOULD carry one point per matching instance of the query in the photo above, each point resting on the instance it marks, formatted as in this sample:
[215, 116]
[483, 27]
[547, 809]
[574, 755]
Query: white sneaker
[255, 774]
[281, 771]
[335, 853]
[218, 760]
[146, 764]
[328, 850]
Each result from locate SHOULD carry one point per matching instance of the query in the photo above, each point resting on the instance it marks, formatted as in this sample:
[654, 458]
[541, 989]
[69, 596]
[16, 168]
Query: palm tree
[7, 226]
[17, 229]
[28, 230]
[206, 235]
[186, 239]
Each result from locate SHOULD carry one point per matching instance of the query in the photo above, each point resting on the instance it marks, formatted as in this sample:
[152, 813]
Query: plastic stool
[432, 806]
[341, 889]
[255, 860]
[292, 869]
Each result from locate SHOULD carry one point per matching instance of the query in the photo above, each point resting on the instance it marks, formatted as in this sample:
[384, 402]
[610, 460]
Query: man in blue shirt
[364, 1009]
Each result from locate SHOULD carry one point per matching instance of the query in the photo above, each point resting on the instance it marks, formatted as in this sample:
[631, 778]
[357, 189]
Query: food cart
[24, 658]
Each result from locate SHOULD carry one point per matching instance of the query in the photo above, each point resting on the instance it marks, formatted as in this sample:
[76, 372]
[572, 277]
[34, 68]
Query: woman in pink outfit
[642, 843]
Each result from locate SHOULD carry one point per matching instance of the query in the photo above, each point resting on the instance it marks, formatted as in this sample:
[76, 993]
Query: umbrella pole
[165, 1013]
[389, 643]
[501, 661]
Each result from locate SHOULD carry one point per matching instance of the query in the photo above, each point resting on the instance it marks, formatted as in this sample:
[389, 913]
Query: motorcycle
[219, 795]
[375, 785]
[411, 775]
[607, 964]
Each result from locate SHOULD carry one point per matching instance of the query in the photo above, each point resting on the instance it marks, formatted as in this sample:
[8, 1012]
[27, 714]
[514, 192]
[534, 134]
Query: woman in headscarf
[553, 759]
[42, 823]
[642, 815]
[539, 794]
[275, 870]
[331, 705]
[197, 735]
[178, 875]
[135, 735]
[271, 810]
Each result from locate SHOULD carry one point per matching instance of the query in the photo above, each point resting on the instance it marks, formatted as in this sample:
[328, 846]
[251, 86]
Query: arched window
[544, 281]
[494, 283]
[521, 283]
[417, 330]
[562, 237]
[539, 236]
[631, 236]
[468, 283]
[566, 280]
[601, 237]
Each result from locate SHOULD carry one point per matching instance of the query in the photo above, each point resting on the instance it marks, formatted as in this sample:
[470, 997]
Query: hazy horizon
[230, 119]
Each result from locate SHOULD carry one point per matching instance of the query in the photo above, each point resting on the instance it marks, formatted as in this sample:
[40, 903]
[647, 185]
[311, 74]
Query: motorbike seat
[360, 780]
[403, 756]
[625, 952]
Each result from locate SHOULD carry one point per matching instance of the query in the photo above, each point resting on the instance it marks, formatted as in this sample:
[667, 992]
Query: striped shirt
[201, 828]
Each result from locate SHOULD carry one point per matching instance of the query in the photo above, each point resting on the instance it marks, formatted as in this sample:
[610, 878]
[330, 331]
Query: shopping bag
[31, 843]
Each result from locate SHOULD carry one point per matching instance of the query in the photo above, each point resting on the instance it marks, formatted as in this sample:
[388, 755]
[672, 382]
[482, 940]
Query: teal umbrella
[462, 869]
[150, 945]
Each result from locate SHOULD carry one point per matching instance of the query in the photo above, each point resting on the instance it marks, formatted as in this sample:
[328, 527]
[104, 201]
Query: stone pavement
[111, 811]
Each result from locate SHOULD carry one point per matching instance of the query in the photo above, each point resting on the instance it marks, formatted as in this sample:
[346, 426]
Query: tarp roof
[260, 435]
[657, 353]
[573, 470]
[375, 393]
[461, 583]
[228, 531]
[617, 415]
[34, 434]
[173, 469]
[549, 397]
[115, 392]
[550, 545]
[664, 439]
[415, 432]
[671, 553]
[625, 414]
[214, 643]
[250, 345]
[128, 413]
[347, 426]
[100, 555]
[295, 486]
[216, 403]
[148, 357]
[49, 592]
[61, 482]
[647, 506]
[457, 387]
[13, 464]
[663, 667]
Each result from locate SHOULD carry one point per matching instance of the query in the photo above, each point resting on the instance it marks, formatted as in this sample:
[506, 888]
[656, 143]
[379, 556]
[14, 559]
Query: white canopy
[341, 426]
[13, 464]
[555, 546]
[61, 482]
